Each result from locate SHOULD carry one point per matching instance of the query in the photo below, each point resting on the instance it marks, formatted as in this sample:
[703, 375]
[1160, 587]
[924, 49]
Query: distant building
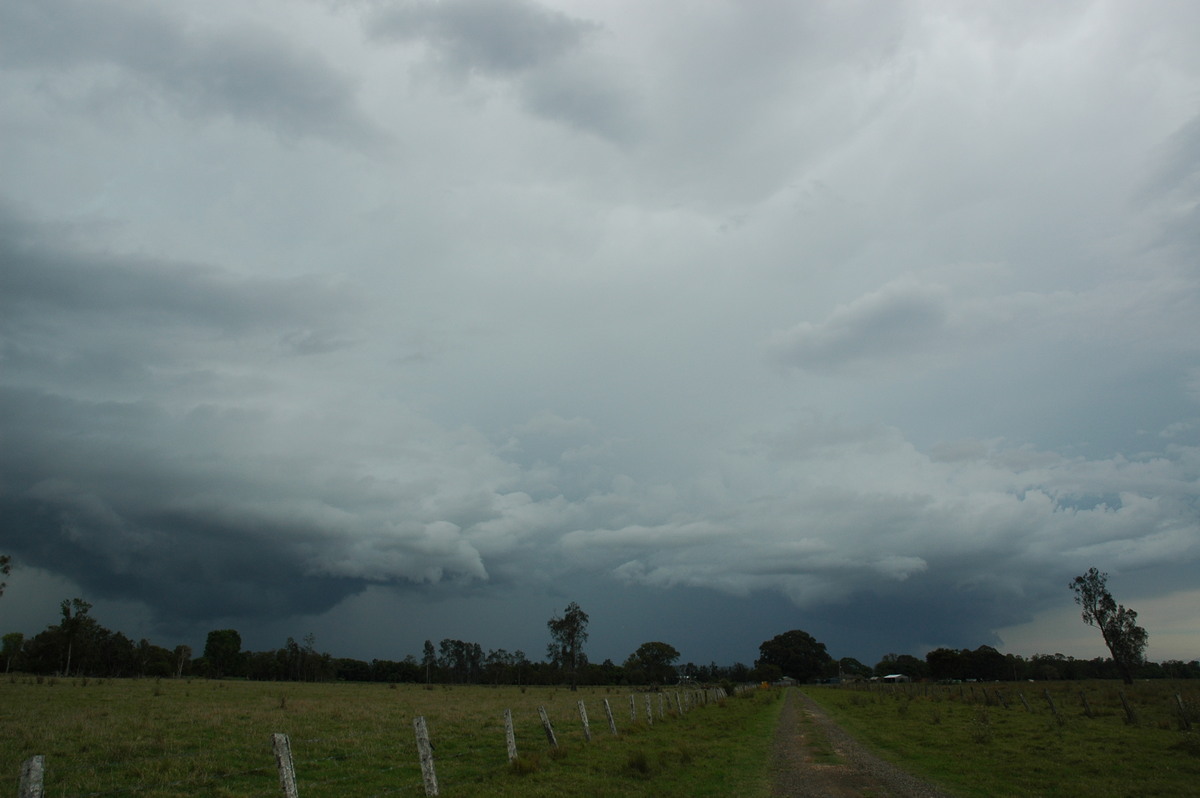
[896, 677]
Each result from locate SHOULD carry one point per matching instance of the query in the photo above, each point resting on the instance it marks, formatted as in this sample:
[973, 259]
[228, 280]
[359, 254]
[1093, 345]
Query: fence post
[1053, 708]
[549, 729]
[1021, 696]
[509, 736]
[1087, 708]
[32, 770]
[587, 730]
[649, 712]
[425, 752]
[1183, 715]
[283, 760]
[1130, 718]
[632, 709]
[612, 724]
[679, 703]
[661, 713]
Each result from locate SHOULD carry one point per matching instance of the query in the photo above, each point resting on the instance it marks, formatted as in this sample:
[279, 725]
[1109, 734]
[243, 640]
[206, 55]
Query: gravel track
[857, 772]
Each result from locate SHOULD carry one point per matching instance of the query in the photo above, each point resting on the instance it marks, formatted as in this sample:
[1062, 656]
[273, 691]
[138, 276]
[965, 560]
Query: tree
[1118, 625]
[569, 633]
[797, 654]
[182, 656]
[223, 652]
[461, 659]
[849, 666]
[429, 659]
[5, 569]
[652, 663]
[946, 664]
[12, 648]
[903, 664]
[74, 612]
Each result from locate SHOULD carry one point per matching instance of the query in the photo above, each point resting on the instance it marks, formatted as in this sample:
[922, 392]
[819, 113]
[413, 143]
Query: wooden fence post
[679, 703]
[661, 713]
[1087, 708]
[509, 736]
[549, 729]
[649, 712]
[1130, 718]
[612, 724]
[287, 769]
[1053, 708]
[632, 709]
[1183, 715]
[425, 752]
[32, 770]
[587, 730]
[1021, 696]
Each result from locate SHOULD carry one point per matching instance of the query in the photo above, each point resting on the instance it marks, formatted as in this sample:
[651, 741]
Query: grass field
[980, 740]
[212, 738]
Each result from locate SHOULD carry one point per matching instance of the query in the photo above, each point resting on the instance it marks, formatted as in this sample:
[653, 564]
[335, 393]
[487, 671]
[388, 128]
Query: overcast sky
[392, 321]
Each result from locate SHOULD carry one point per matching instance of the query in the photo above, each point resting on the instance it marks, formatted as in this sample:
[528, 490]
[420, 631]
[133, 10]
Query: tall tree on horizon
[74, 615]
[569, 633]
[428, 659]
[1118, 625]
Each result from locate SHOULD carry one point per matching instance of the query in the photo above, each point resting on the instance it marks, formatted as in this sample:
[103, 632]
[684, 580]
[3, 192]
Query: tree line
[797, 655]
[78, 645]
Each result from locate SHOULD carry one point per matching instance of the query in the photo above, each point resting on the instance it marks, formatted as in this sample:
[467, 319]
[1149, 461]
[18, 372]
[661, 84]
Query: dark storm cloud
[71, 506]
[126, 496]
[249, 74]
[519, 358]
[41, 278]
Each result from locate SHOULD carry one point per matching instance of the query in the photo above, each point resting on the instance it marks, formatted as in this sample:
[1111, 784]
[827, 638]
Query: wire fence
[375, 766]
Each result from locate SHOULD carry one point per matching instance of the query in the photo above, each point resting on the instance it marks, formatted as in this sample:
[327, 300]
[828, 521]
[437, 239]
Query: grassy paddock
[979, 739]
[212, 738]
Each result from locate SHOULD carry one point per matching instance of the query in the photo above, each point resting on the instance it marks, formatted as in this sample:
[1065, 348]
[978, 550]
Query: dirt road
[802, 772]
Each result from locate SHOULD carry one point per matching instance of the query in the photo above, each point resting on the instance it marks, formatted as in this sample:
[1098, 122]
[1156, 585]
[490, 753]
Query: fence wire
[310, 764]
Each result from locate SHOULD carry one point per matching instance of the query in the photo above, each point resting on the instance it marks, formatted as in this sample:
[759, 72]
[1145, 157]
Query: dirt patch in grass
[813, 758]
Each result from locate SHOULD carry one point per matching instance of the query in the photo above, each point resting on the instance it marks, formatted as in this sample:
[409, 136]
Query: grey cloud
[1172, 191]
[579, 96]
[220, 359]
[540, 51]
[490, 36]
[907, 525]
[175, 492]
[895, 322]
[46, 281]
[958, 451]
[210, 513]
[248, 74]
[76, 317]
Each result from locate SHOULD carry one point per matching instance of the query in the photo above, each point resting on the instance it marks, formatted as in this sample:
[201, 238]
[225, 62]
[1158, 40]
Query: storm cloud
[407, 320]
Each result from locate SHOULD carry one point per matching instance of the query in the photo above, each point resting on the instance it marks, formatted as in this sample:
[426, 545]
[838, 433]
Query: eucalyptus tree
[1118, 625]
[568, 633]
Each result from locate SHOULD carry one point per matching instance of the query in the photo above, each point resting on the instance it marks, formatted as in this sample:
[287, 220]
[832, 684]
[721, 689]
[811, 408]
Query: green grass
[163, 739]
[966, 738]
[820, 749]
